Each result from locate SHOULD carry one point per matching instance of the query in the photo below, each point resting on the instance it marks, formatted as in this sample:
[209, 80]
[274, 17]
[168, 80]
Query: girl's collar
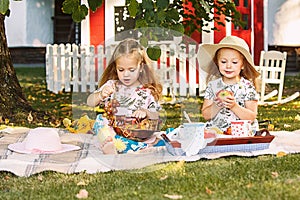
[119, 83]
[237, 82]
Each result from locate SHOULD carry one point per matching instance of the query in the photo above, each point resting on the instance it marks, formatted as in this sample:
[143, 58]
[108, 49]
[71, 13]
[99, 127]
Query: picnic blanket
[90, 159]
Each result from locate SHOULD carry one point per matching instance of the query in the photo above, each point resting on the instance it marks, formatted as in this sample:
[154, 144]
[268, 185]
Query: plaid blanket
[91, 160]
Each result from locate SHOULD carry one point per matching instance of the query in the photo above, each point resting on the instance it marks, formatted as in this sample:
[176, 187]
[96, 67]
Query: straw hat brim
[207, 52]
[42, 140]
[20, 148]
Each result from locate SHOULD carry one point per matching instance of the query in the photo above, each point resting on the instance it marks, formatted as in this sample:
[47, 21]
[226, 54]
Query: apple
[222, 94]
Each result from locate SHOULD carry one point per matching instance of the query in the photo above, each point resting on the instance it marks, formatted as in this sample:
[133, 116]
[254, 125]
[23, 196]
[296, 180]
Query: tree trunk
[12, 99]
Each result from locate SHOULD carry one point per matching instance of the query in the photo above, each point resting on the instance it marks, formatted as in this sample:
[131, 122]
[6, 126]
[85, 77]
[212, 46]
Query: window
[236, 2]
[245, 18]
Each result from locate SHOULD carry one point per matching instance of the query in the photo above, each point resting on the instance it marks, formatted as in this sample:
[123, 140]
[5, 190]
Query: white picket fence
[78, 68]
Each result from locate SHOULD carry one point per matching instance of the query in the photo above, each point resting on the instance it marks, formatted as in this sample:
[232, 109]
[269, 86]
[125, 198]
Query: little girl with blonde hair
[130, 79]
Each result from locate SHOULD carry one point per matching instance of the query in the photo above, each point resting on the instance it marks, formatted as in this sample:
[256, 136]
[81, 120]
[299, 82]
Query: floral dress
[243, 91]
[130, 100]
[133, 98]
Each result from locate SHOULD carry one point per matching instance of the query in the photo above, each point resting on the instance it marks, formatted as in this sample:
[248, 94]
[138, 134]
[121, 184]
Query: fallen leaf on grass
[286, 125]
[67, 108]
[40, 177]
[297, 118]
[274, 174]
[81, 183]
[177, 105]
[173, 196]
[281, 154]
[163, 178]
[83, 194]
[271, 127]
[208, 191]
[29, 118]
[177, 167]
[56, 123]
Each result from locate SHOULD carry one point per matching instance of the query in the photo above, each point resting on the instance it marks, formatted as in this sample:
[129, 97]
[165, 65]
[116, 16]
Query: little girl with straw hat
[230, 94]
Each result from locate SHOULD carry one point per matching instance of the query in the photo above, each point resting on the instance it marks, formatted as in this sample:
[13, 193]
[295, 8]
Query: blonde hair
[248, 72]
[131, 47]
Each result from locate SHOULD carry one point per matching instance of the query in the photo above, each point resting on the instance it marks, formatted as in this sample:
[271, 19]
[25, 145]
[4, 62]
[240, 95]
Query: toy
[83, 125]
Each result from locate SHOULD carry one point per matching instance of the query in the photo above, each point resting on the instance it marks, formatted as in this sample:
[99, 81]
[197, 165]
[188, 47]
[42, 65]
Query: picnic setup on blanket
[25, 151]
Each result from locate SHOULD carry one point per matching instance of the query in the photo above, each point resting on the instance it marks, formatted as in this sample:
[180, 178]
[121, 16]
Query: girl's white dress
[243, 91]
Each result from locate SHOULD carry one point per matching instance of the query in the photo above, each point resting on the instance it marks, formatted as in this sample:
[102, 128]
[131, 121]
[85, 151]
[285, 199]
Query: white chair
[272, 66]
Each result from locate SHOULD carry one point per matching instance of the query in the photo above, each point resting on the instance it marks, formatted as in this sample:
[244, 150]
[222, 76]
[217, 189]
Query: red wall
[221, 32]
[258, 29]
[97, 26]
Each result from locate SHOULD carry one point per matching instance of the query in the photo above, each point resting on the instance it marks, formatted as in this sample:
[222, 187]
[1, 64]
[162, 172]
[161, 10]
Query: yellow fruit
[222, 94]
[216, 130]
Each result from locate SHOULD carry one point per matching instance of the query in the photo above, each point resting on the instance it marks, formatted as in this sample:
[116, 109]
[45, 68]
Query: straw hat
[42, 140]
[207, 52]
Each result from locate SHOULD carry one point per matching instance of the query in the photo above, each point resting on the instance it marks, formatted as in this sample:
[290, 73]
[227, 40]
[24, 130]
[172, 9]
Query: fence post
[173, 71]
[182, 71]
[59, 69]
[101, 62]
[90, 68]
[49, 67]
[192, 70]
[83, 63]
[68, 63]
[163, 69]
[75, 79]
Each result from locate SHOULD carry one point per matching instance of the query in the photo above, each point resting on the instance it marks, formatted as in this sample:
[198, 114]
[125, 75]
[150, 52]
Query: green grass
[263, 177]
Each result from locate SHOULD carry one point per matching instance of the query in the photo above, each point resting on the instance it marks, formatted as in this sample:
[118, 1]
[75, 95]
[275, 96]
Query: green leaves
[179, 17]
[94, 4]
[4, 5]
[154, 52]
[78, 11]
[162, 4]
[69, 5]
[133, 8]
[178, 28]
[155, 21]
[74, 8]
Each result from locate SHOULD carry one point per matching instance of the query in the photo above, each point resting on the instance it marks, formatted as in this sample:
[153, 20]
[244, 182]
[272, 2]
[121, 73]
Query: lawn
[263, 177]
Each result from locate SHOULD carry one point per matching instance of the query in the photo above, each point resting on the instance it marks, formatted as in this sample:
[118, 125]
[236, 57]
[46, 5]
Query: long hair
[131, 47]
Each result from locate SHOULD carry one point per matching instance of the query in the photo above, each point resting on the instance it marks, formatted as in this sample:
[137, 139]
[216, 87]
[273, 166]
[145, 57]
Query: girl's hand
[107, 91]
[140, 114]
[229, 102]
[218, 102]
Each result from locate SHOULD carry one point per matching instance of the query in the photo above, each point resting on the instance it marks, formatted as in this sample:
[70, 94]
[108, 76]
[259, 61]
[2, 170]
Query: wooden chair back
[272, 68]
